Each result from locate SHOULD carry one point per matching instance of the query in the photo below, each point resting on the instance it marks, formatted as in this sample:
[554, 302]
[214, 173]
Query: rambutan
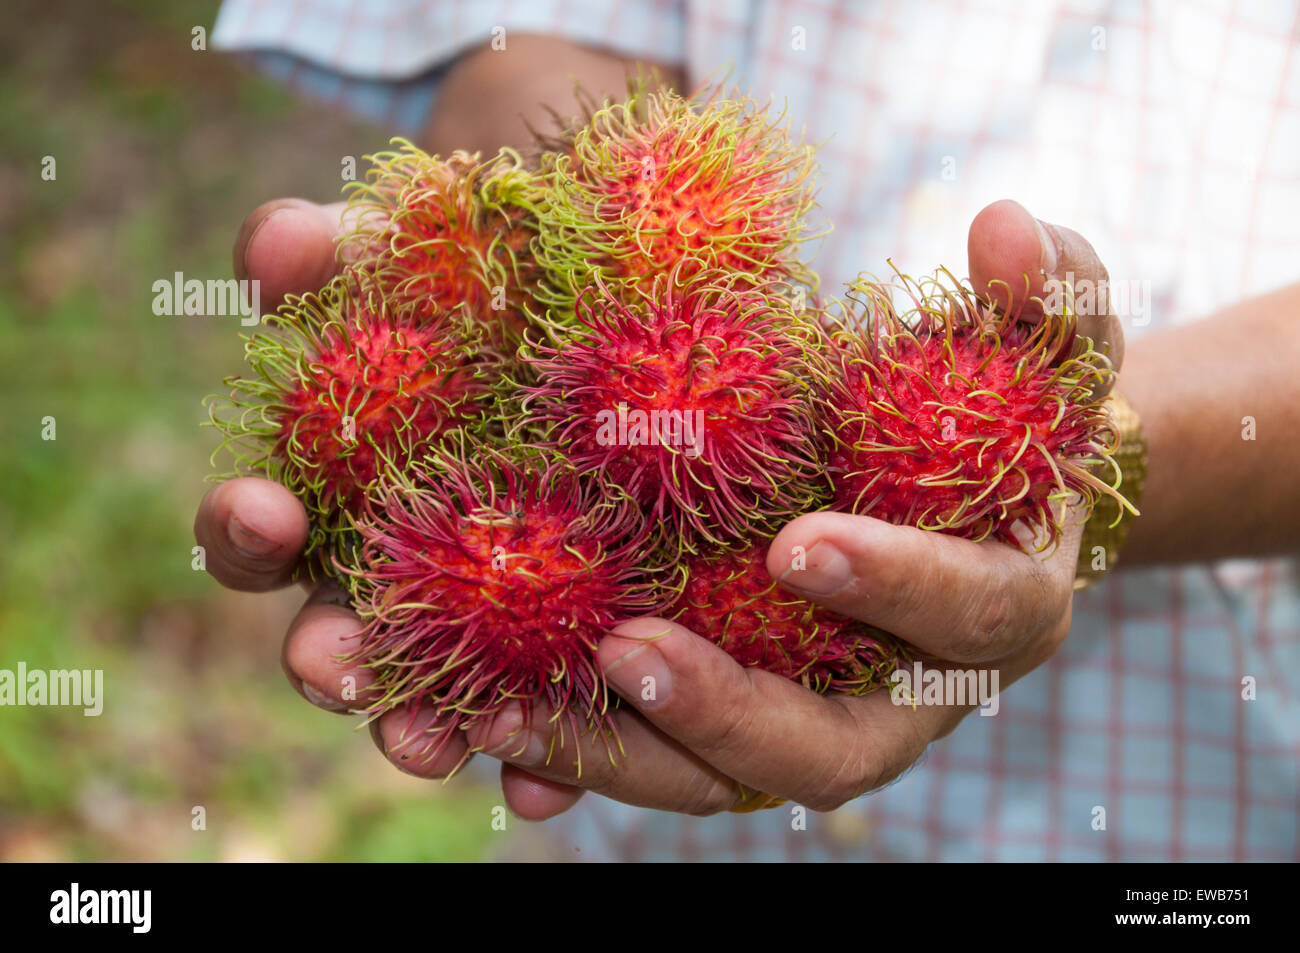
[489, 576]
[346, 386]
[660, 182]
[955, 417]
[730, 599]
[695, 397]
[436, 233]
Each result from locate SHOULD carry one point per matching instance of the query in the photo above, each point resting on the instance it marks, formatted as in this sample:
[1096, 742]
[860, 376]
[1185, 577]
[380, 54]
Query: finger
[316, 658]
[416, 741]
[1006, 244]
[324, 634]
[252, 532]
[533, 798]
[643, 767]
[767, 732]
[289, 246]
[959, 600]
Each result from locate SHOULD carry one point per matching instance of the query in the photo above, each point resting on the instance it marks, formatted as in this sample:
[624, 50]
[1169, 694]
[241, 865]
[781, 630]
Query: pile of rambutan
[545, 398]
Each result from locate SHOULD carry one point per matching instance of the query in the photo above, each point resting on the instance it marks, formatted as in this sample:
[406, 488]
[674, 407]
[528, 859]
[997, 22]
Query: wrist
[1107, 528]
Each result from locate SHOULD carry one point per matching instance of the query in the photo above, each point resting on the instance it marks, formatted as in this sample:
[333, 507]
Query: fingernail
[320, 699]
[825, 571]
[409, 752]
[506, 739]
[253, 237]
[641, 676]
[419, 742]
[524, 748]
[400, 766]
[517, 751]
[247, 542]
[1048, 256]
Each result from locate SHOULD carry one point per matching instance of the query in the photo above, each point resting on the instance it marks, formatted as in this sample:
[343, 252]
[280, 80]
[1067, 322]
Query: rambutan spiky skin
[955, 417]
[344, 386]
[659, 182]
[489, 576]
[695, 397]
[436, 233]
[730, 599]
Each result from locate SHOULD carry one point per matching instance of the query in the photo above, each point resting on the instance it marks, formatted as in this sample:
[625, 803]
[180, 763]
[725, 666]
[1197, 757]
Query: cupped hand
[713, 732]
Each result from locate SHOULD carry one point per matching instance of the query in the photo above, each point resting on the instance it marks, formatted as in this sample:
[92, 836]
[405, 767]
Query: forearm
[490, 98]
[1211, 493]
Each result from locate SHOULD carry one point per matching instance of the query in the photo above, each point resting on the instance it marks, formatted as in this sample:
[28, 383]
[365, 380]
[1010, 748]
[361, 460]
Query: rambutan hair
[344, 386]
[436, 233]
[696, 396]
[660, 182]
[729, 598]
[956, 417]
[490, 575]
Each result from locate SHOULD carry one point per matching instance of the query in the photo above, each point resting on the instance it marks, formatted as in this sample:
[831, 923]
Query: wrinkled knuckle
[706, 795]
[1045, 598]
[984, 626]
[1051, 637]
[850, 781]
[899, 590]
[882, 772]
[821, 803]
[729, 727]
[846, 778]
[993, 622]
[885, 771]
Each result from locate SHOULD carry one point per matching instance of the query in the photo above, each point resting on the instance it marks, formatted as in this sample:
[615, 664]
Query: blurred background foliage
[161, 150]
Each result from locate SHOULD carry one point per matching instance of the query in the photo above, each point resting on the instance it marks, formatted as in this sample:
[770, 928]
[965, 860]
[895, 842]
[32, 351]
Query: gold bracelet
[751, 801]
[1103, 535]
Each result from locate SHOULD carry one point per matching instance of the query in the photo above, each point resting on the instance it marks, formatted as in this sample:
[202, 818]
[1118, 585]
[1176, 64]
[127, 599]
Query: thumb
[960, 600]
[1006, 244]
[289, 245]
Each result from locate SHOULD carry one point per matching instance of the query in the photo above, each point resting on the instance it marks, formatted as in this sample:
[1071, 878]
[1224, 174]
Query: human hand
[713, 726]
[714, 729]
[254, 530]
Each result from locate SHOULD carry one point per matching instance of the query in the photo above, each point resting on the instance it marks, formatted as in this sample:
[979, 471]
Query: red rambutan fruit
[695, 397]
[436, 233]
[955, 417]
[660, 182]
[489, 576]
[730, 599]
[345, 387]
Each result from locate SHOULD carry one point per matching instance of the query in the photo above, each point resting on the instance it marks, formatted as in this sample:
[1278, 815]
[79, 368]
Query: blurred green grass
[160, 152]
